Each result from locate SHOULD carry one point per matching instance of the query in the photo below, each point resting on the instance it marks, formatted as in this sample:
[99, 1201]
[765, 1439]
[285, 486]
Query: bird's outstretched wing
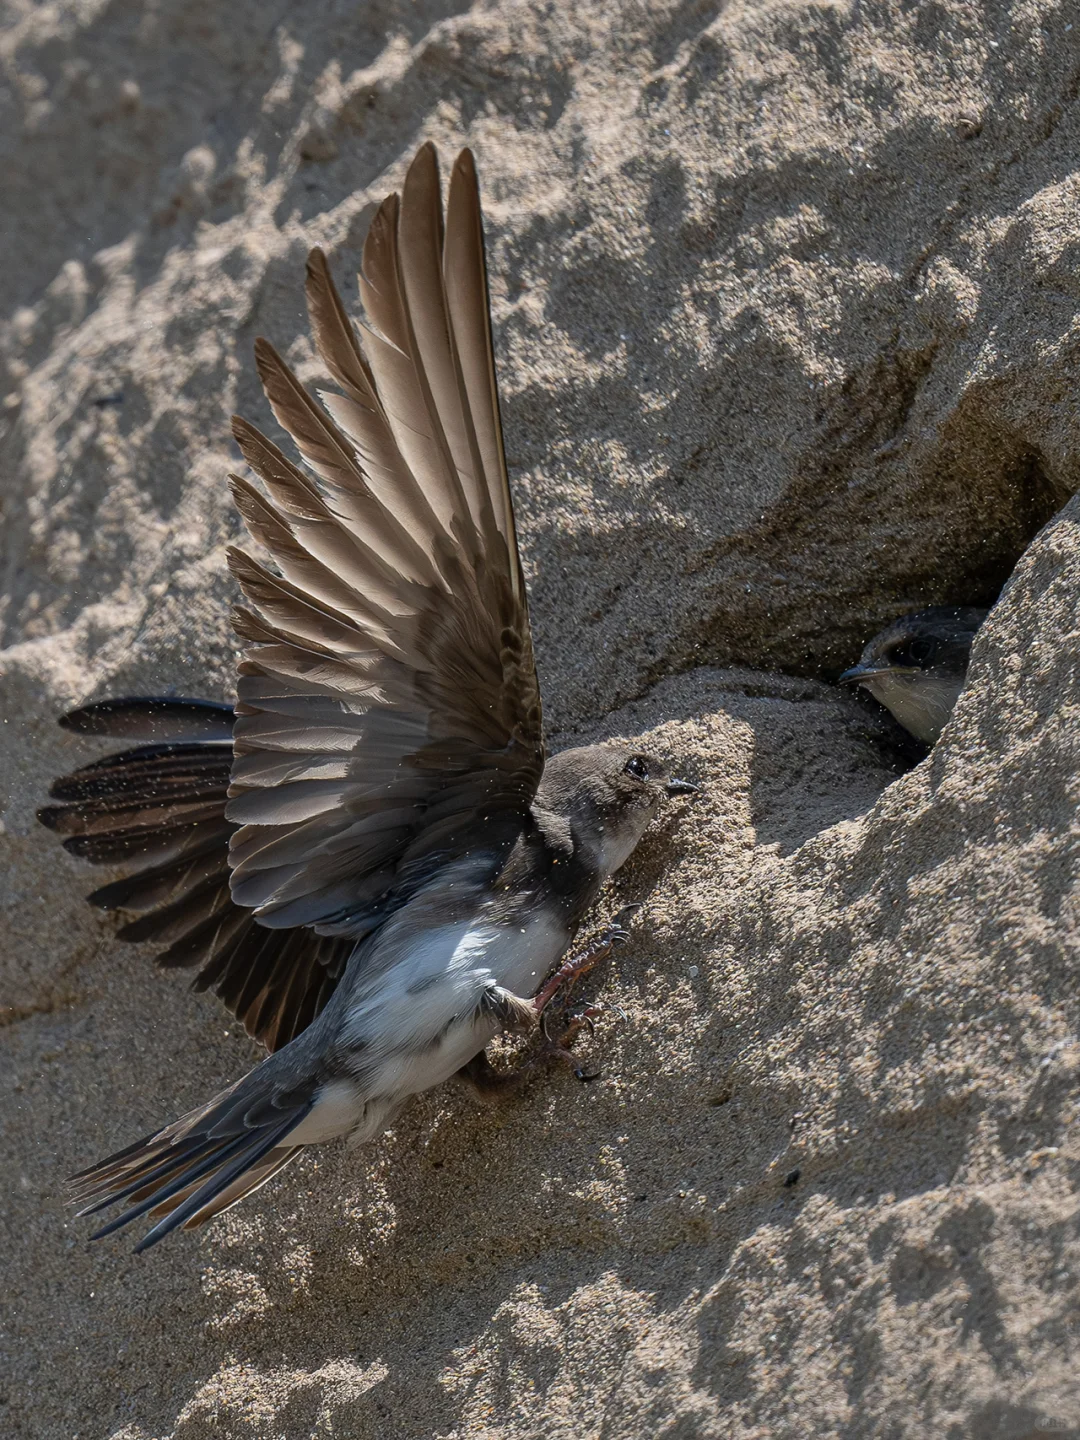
[388, 711]
[160, 807]
[388, 701]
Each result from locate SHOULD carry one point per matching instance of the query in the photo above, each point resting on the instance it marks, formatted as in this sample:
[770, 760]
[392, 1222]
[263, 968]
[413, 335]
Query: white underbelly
[413, 1021]
[524, 955]
[414, 1017]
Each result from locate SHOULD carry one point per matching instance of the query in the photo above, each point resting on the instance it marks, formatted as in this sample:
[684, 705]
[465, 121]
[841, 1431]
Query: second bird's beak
[858, 673]
[682, 787]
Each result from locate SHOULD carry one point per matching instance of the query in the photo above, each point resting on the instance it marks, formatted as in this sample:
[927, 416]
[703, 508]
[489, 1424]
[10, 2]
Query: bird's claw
[553, 999]
[575, 1022]
[558, 1052]
[583, 1020]
[485, 1080]
[618, 931]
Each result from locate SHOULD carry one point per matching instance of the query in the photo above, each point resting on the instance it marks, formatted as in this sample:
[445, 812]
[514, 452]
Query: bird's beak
[682, 787]
[858, 673]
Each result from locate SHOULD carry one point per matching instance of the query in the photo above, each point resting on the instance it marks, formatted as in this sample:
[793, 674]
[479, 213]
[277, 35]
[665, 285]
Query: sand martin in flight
[369, 857]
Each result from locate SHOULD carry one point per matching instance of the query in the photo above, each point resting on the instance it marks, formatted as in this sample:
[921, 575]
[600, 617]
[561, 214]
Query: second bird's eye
[919, 651]
[636, 766]
[923, 650]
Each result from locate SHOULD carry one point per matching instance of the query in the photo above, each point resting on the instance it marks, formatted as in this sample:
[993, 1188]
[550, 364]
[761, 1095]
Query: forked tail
[201, 1164]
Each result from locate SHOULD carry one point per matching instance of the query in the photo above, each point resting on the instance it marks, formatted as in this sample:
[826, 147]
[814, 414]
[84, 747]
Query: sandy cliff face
[786, 317]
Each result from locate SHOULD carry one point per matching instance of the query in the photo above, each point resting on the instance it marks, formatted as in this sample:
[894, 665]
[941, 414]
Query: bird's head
[610, 793]
[916, 666]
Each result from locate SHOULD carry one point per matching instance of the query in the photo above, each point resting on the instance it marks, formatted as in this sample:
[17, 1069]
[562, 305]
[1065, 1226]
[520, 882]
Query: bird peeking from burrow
[916, 667]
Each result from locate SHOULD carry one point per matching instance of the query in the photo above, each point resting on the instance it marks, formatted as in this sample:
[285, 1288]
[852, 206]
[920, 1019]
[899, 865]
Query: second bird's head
[916, 666]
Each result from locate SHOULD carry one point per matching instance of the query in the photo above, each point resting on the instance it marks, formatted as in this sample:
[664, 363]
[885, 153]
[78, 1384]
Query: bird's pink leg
[576, 966]
[519, 1014]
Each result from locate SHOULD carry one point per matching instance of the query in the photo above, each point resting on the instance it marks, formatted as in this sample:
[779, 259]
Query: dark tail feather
[147, 1182]
[190, 1167]
[153, 717]
[137, 1159]
[252, 1180]
[186, 1173]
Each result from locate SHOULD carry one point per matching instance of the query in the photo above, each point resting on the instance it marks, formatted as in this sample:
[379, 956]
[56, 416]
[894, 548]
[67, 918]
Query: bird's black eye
[919, 650]
[636, 766]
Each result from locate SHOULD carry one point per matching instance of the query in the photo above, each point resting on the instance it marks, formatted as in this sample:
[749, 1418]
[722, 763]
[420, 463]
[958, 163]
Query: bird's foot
[489, 1082]
[557, 1051]
[518, 1015]
[577, 966]
[577, 1021]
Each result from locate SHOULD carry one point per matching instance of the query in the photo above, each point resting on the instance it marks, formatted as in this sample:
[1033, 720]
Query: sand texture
[785, 301]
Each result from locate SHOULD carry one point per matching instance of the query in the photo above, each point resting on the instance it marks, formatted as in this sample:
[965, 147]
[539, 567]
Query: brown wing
[388, 708]
[161, 807]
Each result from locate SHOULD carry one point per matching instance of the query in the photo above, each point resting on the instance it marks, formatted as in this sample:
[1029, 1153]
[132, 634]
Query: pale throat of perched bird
[917, 666]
